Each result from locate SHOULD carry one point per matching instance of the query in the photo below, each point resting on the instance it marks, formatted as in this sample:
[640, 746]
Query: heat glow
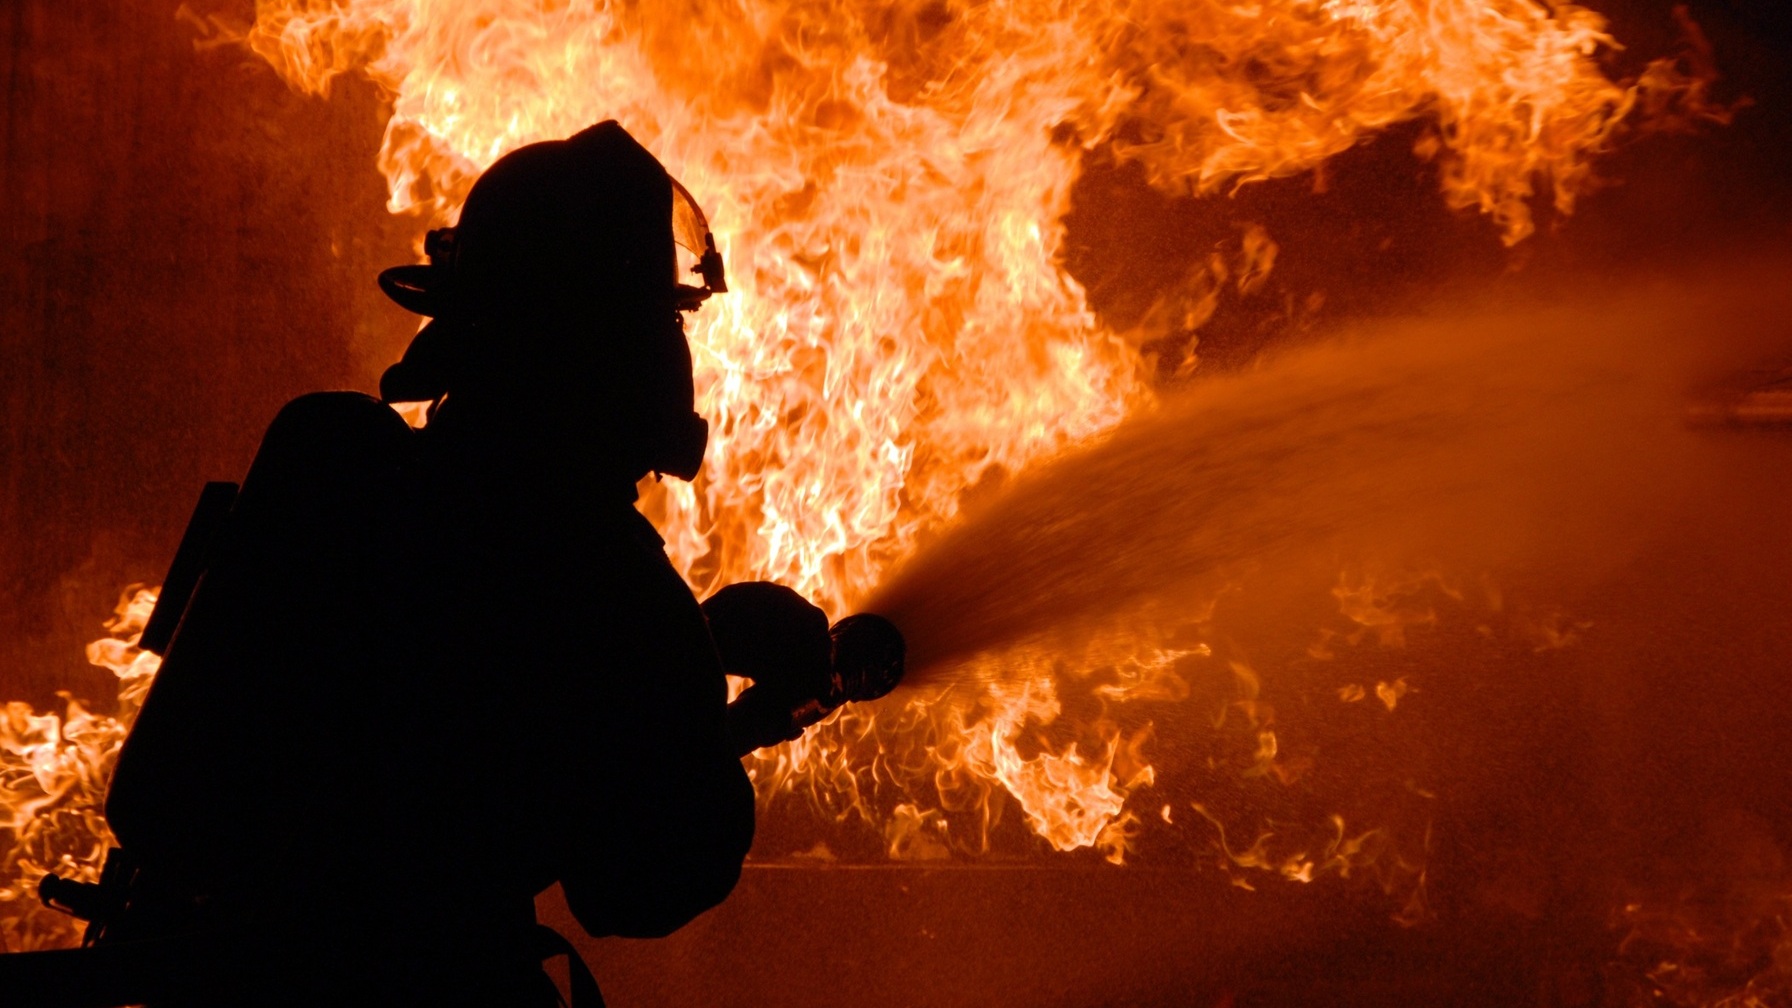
[888, 182]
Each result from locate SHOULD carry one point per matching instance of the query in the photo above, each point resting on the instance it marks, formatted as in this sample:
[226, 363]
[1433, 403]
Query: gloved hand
[772, 635]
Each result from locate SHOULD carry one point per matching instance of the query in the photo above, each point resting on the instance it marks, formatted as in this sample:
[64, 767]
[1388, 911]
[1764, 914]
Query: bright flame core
[887, 183]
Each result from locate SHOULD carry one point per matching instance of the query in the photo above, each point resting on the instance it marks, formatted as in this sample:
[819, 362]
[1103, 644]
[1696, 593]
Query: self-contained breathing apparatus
[514, 249]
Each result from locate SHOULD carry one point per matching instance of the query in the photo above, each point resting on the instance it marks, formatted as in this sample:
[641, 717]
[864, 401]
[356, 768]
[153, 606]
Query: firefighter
[429, 673]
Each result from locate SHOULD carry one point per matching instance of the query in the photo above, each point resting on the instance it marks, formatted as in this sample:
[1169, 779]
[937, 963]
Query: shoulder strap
[550, 943]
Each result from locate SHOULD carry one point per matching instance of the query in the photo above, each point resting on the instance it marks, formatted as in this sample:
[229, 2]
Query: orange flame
[53, 776]
[888, 184]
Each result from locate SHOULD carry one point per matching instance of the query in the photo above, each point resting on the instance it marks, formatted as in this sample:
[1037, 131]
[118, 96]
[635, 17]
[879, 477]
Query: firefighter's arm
[661, 834]
[653, 874]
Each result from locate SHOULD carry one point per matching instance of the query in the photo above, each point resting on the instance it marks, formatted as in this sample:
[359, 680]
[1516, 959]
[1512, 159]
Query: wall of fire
[188, 243]
[185, 244]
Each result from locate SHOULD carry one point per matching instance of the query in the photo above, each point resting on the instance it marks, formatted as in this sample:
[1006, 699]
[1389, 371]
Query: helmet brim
[416, 288]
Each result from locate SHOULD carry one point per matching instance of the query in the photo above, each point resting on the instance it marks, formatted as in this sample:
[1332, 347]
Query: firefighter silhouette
[429, 673]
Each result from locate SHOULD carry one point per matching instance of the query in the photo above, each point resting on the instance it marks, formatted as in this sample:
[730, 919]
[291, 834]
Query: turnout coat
[427, 674]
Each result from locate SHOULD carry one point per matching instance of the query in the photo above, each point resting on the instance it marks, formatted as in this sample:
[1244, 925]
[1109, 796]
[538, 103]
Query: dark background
[186, 245]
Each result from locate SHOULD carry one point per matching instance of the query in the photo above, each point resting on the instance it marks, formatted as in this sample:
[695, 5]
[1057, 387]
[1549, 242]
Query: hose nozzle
[802, 669]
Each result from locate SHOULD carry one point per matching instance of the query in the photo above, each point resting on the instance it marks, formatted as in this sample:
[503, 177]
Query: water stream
[1545, 442]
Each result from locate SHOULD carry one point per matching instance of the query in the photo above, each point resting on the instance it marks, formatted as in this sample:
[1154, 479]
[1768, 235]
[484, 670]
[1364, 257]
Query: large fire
[888, 183]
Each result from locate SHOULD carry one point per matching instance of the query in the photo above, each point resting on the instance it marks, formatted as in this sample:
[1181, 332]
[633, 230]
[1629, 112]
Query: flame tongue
[888, 186]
